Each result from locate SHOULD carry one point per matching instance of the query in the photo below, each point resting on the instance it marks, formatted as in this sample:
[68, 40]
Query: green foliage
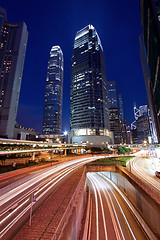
[111, 161]
[123, 150]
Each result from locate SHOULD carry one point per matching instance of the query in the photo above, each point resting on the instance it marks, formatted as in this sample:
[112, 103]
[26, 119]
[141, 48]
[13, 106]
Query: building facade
[13, 42]
[114, 112]
[150, 57]
[52, 118]
[141, 127]
[89, 114]
[123, 119]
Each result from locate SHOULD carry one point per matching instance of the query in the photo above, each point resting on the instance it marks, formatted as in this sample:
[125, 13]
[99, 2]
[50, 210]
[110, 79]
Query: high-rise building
[3, 17]
[143, 128]
[52, 118]
[123, 118]
[114, 112]
[13, 42]
[150, 57]
[89, 114]
[140, 127]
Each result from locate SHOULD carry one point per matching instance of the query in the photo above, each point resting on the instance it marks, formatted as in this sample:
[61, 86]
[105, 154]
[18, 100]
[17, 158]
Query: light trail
[113, 200]
[120, 210]
[131, 207]
[18, 198]
[142, 173]
[58, 178]
[10, 225]
[99, 186]
[12, 193]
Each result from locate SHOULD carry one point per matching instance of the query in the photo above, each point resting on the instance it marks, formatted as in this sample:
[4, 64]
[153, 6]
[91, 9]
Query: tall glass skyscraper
[89, 114]
[13, 42]
[52, 119]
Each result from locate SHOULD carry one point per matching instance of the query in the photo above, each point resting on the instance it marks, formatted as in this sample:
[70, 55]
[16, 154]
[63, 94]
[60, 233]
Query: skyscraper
[123, 118]
[52, 119]
[150, 57]
[89, 114]
[140, 127]
[114, 112]
[13, 42]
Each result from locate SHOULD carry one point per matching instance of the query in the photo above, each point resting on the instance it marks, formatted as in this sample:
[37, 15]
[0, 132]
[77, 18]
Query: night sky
[53, 22]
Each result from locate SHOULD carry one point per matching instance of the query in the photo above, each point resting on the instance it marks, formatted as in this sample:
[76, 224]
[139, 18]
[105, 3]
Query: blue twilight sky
[56, 23]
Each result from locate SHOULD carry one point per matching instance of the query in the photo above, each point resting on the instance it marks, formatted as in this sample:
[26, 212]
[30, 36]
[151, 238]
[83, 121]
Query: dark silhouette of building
[52, 119]
[150, 57]
[89, 114]
[13, 42]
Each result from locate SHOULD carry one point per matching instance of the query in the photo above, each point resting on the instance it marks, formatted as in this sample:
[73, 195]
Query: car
[157, 174]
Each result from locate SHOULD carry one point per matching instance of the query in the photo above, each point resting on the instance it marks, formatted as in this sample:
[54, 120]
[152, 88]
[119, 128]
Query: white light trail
[39, 190]
[134, 211]
[113, 215]
[143, 174]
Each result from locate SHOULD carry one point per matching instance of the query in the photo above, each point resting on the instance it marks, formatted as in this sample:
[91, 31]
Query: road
[15, 204]
[111, 214]
[144, 168]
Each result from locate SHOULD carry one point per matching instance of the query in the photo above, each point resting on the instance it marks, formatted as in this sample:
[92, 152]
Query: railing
[87, 225]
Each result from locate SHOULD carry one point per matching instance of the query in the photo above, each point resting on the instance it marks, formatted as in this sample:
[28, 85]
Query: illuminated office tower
[13, 41]
[114, 112]
[89, 114]
[52, 119]
[123, 118]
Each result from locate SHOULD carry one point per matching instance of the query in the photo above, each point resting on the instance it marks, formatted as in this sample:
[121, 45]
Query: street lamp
[57, 139]
[149, 139]
[145, 142]
[65, 133]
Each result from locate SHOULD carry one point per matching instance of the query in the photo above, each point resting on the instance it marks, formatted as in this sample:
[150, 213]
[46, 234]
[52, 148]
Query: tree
[121, 150]
[3, 159]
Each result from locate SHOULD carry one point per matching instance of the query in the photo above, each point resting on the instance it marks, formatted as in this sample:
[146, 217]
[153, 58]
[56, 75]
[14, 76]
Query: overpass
[12, 146]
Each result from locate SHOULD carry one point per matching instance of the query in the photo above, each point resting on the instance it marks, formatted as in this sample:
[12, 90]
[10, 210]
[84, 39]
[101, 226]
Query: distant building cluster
[97, 115]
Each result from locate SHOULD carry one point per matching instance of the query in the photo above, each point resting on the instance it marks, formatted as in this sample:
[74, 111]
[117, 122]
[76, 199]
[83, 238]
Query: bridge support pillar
[33, 156]
[51, 155]
[65, 152]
